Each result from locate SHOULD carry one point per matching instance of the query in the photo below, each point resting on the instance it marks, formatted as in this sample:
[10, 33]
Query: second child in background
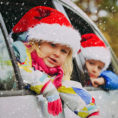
[97, 59]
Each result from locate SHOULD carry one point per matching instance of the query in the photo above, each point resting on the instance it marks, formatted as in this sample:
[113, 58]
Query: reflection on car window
[7, 76]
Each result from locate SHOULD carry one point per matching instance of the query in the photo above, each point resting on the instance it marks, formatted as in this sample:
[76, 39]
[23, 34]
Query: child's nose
[95, 69]
[57, 52]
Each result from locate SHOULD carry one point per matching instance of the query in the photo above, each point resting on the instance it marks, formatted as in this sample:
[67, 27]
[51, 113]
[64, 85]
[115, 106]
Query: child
[97, 59]
[44, 47]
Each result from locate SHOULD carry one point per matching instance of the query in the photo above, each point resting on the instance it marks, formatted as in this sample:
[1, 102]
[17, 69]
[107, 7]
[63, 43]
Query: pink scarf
[39, 64]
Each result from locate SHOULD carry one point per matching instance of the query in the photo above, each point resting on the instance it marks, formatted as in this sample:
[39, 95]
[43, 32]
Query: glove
[44, 86]
[88, 111]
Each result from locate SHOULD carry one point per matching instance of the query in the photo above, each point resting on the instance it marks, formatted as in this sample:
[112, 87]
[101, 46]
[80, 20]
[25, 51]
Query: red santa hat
[48, 24]
[94, 48]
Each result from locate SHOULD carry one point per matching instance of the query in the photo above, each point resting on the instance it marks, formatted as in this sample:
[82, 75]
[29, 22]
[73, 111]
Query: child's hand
[97, 82]
[88, 111]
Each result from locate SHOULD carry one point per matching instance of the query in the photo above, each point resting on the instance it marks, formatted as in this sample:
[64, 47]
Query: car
[17, 102]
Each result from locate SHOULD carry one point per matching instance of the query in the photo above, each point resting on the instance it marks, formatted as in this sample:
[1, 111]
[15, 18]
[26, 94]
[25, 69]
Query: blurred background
[105, 14]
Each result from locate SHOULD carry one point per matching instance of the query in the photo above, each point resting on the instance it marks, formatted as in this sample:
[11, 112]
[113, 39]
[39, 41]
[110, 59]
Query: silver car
[15, 101]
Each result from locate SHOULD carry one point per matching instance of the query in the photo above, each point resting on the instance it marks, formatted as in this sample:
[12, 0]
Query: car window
[7, 76]
[84, 27]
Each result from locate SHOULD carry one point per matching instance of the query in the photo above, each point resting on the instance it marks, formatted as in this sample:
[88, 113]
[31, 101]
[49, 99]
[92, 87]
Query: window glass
[7, 75]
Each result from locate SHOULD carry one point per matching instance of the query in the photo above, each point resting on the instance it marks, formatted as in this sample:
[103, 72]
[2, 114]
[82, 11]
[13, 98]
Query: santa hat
[48, 24]
[94, 48]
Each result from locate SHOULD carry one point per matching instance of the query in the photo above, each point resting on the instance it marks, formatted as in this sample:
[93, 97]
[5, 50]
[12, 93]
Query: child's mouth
[52, 60]
[92, 75]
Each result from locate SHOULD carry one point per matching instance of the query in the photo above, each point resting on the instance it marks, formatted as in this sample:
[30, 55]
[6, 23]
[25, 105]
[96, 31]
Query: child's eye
[91, 63]
[53, 45]
[63, 50]
[100, 68]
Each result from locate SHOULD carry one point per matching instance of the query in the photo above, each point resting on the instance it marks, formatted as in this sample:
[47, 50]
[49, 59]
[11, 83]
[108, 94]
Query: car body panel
[29, 106]
[19, 107]
[107, 102]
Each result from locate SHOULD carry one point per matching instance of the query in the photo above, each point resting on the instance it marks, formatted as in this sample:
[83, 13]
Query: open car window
[84, 26]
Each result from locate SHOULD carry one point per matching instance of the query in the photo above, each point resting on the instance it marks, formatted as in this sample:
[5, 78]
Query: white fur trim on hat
[56, 33]
[98, 53]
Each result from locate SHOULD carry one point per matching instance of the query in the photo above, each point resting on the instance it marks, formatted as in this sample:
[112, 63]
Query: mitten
[88, 111]
[44, 86]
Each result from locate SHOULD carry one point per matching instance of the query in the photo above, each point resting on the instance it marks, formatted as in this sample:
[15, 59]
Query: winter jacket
[77, 99]
[111, 80]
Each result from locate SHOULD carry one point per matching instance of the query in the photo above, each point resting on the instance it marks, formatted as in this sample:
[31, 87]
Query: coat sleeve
[78, 99]
[111, 80]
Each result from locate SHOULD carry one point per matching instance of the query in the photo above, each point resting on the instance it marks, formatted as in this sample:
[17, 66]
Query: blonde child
[45, 44]
[97, 59]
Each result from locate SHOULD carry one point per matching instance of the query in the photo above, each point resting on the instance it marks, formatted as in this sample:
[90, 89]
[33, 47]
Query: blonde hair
[67, 66]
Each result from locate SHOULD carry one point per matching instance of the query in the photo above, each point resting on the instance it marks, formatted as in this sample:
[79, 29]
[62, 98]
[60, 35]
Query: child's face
[53, 54]
[94, 67]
